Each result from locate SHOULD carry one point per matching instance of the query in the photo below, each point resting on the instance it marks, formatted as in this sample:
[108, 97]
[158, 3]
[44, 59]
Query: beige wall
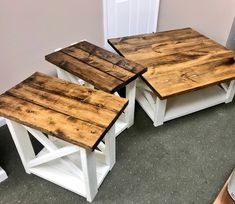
[211, 17]
[30, 29]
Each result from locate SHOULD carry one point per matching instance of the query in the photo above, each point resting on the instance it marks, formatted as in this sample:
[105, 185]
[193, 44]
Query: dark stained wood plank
[90, 113]
[67, 89]
[105, 70]
[136, 42]
[182, 80]
[224, 197]
[98, 63]
[151, 37]
[76, 114]
[48, 121]
[198, 55]
[96, 77]
[174, 47]
[111, 57]
[178, 61]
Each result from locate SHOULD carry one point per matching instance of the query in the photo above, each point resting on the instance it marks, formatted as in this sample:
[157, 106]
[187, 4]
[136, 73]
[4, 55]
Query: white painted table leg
[89, 171]
[159, 112]
[62, 74]
[22, 142]
[130, 109]
[110, 148]
[61, 162]
[3, 175]
[230, 92]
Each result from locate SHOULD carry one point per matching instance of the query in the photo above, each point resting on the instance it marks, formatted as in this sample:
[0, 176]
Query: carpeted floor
[186, 160]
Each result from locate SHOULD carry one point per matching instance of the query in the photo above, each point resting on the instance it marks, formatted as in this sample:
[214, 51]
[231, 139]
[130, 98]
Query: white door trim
[123, 18]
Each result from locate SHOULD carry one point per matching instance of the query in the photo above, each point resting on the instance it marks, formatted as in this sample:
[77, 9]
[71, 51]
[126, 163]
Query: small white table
[3, 175]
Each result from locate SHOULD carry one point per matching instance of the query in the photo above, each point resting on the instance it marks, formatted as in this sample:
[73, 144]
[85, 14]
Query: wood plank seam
[95, 77]
[106, 59]
[120, 61]
[83, 61]
[72, 97]
[97, 86]
[86, 121]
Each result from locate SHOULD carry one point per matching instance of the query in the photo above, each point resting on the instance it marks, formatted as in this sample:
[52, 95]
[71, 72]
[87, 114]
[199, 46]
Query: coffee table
[187, 72]
[87, 64]
[73, 123]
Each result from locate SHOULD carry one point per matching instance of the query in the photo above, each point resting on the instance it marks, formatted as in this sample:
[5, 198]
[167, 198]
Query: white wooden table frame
[72, 167]
[176, 106]
[126, 120]
[3, 175]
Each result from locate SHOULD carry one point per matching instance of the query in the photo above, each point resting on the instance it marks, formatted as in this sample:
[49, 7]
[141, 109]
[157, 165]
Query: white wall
[211, 17]
[31, 29]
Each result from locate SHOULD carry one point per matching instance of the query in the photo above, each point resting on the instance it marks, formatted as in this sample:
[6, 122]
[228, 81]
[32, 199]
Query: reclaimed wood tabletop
[178, 61]
[101, 68]
[73, 113]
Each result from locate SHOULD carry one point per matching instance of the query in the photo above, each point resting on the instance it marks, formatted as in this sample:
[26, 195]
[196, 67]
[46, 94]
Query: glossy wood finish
[101, 68]
[76, 114]
[178, 61]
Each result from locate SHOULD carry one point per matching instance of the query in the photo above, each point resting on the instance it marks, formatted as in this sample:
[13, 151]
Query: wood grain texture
[76, 114]
[224, 197]
[178, 61]
[101, 68]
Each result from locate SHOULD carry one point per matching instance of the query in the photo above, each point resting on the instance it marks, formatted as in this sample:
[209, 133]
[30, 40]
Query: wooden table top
[101, 68]
[76, 114]
[178, 61]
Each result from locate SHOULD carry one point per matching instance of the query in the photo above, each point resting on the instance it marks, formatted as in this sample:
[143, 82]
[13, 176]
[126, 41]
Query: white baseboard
[2, 121]
[3, 175]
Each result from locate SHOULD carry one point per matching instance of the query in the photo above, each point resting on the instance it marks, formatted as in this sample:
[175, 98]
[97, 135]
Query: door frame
[107, 4]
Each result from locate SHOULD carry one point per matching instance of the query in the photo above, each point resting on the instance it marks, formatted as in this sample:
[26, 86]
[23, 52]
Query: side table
[102, 70]
[81, 119]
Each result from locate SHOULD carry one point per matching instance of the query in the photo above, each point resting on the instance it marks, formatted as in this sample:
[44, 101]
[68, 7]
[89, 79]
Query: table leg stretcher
[164, 110]
[72, 167]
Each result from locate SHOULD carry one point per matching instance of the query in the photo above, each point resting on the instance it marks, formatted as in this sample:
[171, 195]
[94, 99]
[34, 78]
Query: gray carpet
[186, 160]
